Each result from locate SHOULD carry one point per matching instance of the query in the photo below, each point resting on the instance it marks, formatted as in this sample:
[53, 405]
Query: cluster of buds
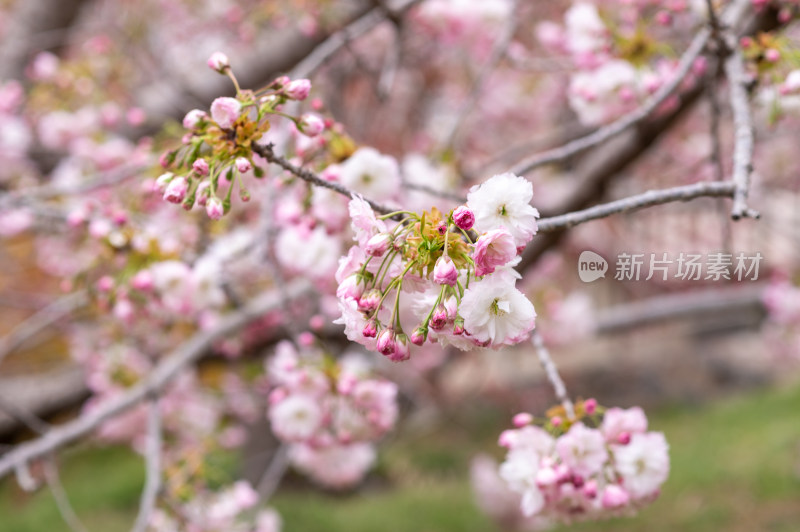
[330, 411]
[581, 467]
[218, 148]
[458, 267]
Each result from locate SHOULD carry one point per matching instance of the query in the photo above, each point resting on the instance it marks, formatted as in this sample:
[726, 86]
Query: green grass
[735, 467]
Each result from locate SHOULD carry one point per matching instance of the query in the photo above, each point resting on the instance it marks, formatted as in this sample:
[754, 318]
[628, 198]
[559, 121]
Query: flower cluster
[219, 146]
[330, 411]
[218, 512]
[618, 64]
[457, 267]
[569, 470]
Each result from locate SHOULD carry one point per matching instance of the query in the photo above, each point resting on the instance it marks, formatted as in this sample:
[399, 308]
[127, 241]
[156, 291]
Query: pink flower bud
[445, 271]
[105, 283]
[772, 55]
[590, 489]
[219, 62]
[298, 89]
[464, 218]
[143, 281]
[563, 473]
[386, 344]
[176, 190]
[310, 125]
[203, 193]
[164, 180]
[136, 116]
[225, 111]
[378, 244]
[243, 165]
[305, 339]
[370, 300]
[281, 82]
[401, 351]
[615, 496]
[419, 336]
[370, 329]
[352, 287]
[507, 439]
[556, 421]
[200, 166]
[577, 480]
[522, 419]
[624, 438]
[317, 322]
[193, 118]
[214, 208]
[590, 406]
[546, 476]
[439, 318]
[166, 158]
[458, 326]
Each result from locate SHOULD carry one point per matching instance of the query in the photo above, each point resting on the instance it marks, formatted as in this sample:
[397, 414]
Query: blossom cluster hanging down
[584, 468]
[455, 269]
[331, 412]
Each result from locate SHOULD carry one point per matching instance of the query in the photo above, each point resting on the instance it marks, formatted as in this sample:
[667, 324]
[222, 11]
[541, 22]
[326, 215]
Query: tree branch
[308, 176]
[41, 320]
[26, 418]
[600, 167]
[552, 373]
[274, 472]
[623, 123]
[60, 495]
[639, 201]
[731, 17]
[743, 132]
[153, 467]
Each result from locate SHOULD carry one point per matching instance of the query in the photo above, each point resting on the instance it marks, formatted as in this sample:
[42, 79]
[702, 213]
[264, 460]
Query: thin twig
[310, 177]
[274, 472]
[391, 63]
[60, 495]
[164, 372]
[621, 124]
[552, 373]
[152, 455]
[338, 40]
[41, 320]
[26, 418]
[433, 192]
[497, 54]
[639, 201]
[45, 192]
